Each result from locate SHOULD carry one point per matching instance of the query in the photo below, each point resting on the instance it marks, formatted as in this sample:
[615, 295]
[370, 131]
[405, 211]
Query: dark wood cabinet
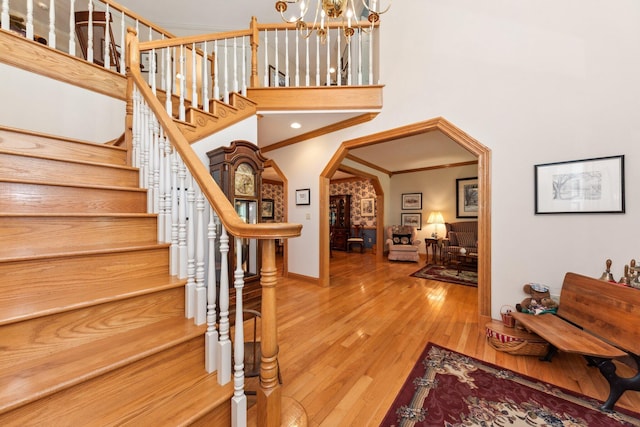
[237, 169]
[340, 221]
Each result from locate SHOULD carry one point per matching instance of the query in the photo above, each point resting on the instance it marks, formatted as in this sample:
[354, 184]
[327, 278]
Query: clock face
[245, 180]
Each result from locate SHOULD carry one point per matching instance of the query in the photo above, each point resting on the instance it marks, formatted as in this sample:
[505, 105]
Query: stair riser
[32, 198]
[18, 167]
[31, 339]
[61, 148]
[56, 234]
[56, 284]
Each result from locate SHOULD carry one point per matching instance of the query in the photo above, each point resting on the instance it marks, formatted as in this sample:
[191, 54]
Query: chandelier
[327, 11]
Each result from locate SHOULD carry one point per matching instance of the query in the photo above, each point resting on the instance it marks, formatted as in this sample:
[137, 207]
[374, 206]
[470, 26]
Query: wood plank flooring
[346, 350]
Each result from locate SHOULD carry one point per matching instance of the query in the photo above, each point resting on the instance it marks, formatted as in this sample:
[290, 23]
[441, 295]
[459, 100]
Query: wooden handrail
[210, 189]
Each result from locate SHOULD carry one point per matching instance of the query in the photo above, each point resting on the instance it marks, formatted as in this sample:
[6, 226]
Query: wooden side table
[436, 246]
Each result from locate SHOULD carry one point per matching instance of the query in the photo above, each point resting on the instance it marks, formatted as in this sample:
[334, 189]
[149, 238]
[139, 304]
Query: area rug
[444, 274]
[450, 389]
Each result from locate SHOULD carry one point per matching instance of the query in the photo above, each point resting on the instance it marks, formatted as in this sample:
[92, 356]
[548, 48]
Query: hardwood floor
[346, 350]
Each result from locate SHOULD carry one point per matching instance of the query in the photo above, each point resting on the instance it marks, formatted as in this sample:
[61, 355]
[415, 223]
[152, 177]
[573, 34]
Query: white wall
[536, 81]
[61, 109]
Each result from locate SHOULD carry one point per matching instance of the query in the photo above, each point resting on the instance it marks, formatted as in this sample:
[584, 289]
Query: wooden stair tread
[93, 249]
[34, 379]
[171, 387]
[30, 305]
[71, 184]
[41, 156]
[25, 141]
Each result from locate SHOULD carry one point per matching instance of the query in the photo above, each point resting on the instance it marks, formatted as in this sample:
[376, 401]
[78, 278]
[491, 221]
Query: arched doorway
[483, 155]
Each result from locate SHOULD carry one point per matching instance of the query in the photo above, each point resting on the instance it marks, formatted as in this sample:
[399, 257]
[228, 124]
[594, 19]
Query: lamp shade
[435, 217]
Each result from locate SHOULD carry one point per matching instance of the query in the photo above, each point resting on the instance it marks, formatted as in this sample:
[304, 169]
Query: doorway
[483, 155]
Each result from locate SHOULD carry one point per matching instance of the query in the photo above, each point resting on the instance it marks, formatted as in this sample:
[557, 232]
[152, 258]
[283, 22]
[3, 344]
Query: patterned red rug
[445, 274]
[450, 389]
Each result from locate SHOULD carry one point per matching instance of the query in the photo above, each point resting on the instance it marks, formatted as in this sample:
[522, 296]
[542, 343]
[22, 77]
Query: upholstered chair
[402, 243]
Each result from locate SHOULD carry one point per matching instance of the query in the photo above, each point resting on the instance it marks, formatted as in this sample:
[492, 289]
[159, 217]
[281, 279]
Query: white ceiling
[203, 16]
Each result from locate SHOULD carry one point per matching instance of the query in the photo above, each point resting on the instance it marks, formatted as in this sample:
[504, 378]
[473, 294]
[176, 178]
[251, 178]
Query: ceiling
[202, 16]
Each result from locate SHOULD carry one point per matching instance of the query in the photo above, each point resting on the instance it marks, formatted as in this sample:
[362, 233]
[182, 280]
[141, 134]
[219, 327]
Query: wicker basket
[515, 341]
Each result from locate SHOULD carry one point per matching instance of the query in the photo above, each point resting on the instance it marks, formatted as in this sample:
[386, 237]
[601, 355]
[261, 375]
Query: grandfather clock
[237, 169]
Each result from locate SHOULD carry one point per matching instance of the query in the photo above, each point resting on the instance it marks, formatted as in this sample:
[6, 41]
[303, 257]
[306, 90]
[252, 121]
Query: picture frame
[580, 186]
[411, 219]
[267, 209]
[367, 207]
[303, 196]
[411, 201]
[467, 197]
[145, 62]
[281, 82]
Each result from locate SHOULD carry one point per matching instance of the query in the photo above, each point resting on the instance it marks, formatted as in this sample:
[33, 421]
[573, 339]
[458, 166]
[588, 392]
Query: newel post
[270, 392]
[255, 38]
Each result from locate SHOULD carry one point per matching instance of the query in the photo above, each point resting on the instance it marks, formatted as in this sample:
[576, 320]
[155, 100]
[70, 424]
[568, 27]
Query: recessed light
[332, 70]
[295, 125]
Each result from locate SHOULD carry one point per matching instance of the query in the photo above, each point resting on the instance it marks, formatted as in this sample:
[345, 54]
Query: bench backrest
[607, 310]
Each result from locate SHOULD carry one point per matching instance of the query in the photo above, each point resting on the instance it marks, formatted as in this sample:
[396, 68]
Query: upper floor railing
[204, 67]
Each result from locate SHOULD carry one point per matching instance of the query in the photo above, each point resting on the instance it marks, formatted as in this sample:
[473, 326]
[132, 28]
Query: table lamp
[435, 218]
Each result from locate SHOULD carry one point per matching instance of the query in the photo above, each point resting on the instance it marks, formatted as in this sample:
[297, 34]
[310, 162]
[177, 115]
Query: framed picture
[411, 219]
[580, 186]
[145, 62]
[267, 208]
[467, 197]
[281, 81]
[367, 207]
[412, 201]
[303, 197]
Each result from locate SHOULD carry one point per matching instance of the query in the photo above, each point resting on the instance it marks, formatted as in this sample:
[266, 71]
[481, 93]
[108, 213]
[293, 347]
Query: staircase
[92, 326]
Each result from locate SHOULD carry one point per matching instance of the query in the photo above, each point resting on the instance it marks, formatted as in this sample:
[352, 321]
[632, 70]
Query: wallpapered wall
[360, 189]
[274, 191]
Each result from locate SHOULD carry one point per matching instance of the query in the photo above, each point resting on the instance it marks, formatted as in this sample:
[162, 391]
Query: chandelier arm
[281, 6]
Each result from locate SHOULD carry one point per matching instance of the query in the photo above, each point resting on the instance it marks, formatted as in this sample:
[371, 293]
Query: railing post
[269, 394]
[255, 42]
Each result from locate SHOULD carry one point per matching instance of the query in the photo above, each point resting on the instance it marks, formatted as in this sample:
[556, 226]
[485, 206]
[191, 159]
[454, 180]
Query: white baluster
[168, 202]
[339, 61]
[205, 78]
[216, 68]
[163, 67]
[244, 67]
[239, 400]
[90, 33]
[328, 55]
[168, 104]
[317, 62]
[29, 29]
[190, 290]
[194, 77]
[182, 221]
[307, 78]
[226, 72]
[211, 337]
[153, 67]
[224, 345]
[276, 80]
[136, 130]
[183, 83]
[297, 61]
[201, 292]
[5, 19]
[175, 255]
[72, 28]
[370, 56]
[286, 57]
[144, 169]
[107, 39]
[161, 197]
[360, 57]
[235, 66]
[123, 45]
[349, 65]
[52, 24]
[265, 80]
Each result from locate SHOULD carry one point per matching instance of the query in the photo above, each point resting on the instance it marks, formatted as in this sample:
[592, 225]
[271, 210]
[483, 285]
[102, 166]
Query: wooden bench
[600, 321]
